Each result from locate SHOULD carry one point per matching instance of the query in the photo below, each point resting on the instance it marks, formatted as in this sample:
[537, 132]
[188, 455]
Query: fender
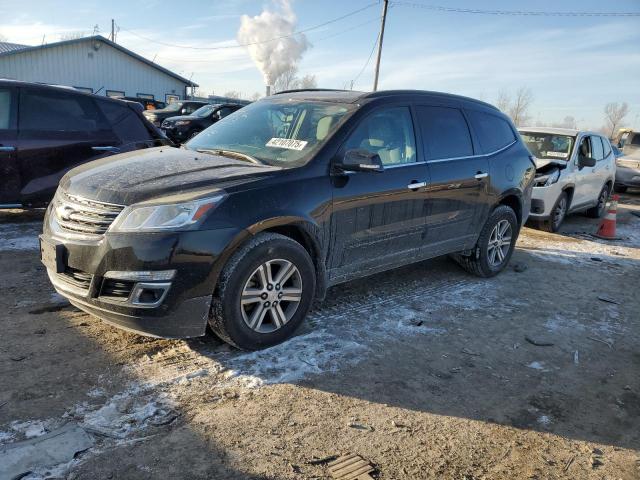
[299, 228]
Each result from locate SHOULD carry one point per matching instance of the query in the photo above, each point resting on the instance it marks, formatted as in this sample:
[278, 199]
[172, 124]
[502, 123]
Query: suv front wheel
[495, 244]
[264, 292]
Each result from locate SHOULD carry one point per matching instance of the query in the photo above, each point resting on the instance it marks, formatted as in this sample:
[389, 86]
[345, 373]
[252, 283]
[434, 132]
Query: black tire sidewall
[235, 327]
[553, 227]
[500, 213]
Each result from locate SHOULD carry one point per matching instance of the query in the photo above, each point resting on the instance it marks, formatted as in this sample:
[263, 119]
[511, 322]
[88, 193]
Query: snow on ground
[19, 236]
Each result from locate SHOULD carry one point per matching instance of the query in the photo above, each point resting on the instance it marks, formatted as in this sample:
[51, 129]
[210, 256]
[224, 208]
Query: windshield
[548, 145]
[204, 111]
[278, 132]
[173, 107]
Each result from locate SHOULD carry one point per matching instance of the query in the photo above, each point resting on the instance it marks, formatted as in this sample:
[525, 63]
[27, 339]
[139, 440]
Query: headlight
[183, 122]
[553, 178]
[153, 218]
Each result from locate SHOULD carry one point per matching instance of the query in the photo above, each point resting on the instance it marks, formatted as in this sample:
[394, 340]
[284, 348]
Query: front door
[379, 219]
[9, 169]
[587, 181]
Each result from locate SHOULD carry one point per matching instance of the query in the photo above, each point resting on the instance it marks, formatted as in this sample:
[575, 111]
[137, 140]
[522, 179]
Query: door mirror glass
[360, 160]
[586, 161]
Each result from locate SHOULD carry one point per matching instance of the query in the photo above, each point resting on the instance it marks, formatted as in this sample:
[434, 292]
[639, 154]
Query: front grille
[83, 216]
[120, 289]
[76, 278]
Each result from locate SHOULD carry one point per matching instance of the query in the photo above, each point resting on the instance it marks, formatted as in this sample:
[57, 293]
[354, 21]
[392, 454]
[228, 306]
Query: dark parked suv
[184, 127]
[45, 131]
[247, 223]
[179, 107]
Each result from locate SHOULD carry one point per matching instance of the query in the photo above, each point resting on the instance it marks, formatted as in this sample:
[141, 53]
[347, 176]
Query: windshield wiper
[230, 154]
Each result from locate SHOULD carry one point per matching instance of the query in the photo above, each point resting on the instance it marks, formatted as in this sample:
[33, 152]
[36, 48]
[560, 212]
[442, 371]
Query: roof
[559, 131]
[350, 96]
[23, 49]
[8, 47]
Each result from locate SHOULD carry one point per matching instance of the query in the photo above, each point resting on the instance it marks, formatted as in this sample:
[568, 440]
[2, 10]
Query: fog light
[149, 295]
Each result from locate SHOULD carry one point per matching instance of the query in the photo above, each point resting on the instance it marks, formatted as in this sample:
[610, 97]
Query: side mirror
[217, 115]
[360, 160]
[586, 162]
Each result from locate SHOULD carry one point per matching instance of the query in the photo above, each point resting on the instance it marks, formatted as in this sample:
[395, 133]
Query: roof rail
[295, 90]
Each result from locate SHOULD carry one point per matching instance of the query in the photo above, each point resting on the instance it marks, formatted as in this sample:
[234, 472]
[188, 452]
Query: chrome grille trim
[83, 216]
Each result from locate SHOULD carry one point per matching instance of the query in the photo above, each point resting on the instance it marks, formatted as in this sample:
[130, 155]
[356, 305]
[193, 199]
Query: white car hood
[543, 162]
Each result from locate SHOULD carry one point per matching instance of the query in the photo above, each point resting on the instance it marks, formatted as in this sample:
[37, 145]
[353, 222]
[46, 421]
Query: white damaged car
[575, 171]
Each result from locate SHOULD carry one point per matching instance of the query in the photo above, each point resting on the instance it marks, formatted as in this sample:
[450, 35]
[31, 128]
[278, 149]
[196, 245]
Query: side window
[493, 132]
[445, 133]
[5, 108]
[387, 132]
[585, 147]
[124, 122]
[190, 108]
[597, 151]
[59, 112]
[607, 146]
[224, 111]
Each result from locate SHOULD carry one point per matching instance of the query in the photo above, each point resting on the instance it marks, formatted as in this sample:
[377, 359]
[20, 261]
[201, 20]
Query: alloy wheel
[499, 243]
[559, 212]
[271, 296]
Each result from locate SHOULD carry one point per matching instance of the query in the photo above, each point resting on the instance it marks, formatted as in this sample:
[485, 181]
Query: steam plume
[274, 57]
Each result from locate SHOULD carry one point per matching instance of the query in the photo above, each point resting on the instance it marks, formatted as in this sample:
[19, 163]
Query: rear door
[9, 168]
[459, 172]
[379, 219]
[57, 130]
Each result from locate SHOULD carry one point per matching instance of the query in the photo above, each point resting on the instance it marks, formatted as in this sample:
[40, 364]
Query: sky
[572, 65]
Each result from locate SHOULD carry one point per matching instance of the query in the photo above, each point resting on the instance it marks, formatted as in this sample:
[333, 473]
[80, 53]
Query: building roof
[8, 47]
[17, 49]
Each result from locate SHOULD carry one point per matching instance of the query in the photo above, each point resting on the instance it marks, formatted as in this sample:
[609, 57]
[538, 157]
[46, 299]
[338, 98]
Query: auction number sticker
[557, 154]
[288, 143]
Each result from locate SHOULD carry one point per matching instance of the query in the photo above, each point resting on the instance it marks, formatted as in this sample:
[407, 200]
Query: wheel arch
[569, 189]
[512, 199]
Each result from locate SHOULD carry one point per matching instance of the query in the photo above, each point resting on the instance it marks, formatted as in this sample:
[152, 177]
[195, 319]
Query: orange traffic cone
[607, 229]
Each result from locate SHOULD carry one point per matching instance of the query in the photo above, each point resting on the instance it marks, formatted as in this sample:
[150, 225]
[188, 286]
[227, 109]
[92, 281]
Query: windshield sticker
[557, 154]
[287, 143]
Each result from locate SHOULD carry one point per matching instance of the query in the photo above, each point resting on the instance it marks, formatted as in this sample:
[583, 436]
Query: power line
[223, 47]
[373, 49]
[341, 32]
[538, 13]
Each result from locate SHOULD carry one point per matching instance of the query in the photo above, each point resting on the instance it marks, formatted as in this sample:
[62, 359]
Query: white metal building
[93, 64]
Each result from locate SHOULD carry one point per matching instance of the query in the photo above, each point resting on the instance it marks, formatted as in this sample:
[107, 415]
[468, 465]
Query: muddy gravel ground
[424, 371]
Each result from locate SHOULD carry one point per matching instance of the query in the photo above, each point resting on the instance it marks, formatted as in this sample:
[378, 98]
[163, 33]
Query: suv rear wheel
[264, 292]
[495, 244]
[598, 210]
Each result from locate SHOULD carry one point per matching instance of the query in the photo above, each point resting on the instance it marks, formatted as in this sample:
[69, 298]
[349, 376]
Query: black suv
[184, 127]
[179, 107]
[247, 223]
[45, 131]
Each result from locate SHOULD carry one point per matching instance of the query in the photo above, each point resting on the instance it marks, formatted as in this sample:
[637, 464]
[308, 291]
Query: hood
[155, 172]
[182, 117]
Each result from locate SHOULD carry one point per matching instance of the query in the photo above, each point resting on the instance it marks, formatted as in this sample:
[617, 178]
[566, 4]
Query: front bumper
[175, 134]
[627, 177]
[105, 277]
[542, 201]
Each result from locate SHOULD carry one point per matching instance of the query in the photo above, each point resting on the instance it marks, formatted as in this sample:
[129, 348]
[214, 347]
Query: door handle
[106, 149]
[7, 149]
[416, 185]
[481, 175]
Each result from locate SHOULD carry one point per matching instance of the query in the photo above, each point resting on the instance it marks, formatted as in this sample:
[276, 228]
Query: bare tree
[614, 116]
[503, 101]
[519, 109]
[3, 38]
[288, 80]
[72, 36]
[255, 96]
[568, 122]
[233, 94]
[308, 81]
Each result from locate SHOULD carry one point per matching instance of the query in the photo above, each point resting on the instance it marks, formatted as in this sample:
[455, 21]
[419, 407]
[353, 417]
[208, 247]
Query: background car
[147, 103]
[58, 129]
[180, 107]
[575, 171]
[184, 127]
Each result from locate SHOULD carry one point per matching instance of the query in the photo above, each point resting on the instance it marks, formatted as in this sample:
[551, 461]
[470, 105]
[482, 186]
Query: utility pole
[384, 19]
[113, 30]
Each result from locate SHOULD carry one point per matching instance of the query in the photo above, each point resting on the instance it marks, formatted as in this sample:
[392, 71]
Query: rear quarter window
[445, 133]
[492, 131]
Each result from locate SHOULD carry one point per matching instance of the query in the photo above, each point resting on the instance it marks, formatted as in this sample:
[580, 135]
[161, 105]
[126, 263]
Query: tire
[620, 188]
[601, 207]
[558, 214]
[479, 262]
[242, 277]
